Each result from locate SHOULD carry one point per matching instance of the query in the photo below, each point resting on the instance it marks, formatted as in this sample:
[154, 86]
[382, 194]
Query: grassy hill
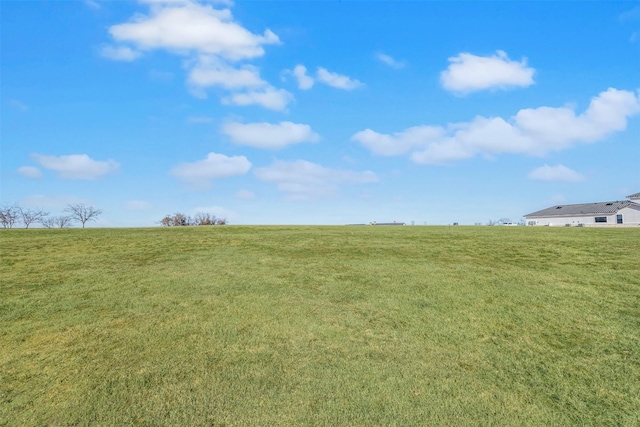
[320, 326]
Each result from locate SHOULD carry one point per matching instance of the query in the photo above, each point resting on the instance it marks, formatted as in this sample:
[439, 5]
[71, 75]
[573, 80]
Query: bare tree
[48, 222]
[56, 222]
[180, 220]
[64, 221]
[167, 221]
[9, 215]
[176, 220]
[202, 218]
[29, 216]
[83, 213]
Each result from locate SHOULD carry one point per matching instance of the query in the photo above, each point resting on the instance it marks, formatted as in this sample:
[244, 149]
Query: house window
[619, 218]
[601, 219]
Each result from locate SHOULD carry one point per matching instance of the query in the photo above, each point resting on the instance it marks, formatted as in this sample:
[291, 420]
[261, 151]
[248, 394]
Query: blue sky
[268, 112]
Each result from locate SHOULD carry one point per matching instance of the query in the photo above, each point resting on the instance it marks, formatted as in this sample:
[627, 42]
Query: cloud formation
[469, 73]
[305, 82]
[388, 60]
[303, 180]
[185, 26]
[268, 97]
[555, 173]
[119, 53]
[30, 172]
[212, 42]
[532, 131]
[269, 136]
[76, 166]
[211, 71]
[336, 80]
[198, 175]
[399, 142]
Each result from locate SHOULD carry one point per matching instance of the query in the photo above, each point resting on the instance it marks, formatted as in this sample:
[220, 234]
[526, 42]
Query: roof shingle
[585, 209]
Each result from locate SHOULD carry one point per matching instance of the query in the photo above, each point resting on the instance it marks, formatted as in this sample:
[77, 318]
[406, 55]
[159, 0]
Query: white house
[618, 213]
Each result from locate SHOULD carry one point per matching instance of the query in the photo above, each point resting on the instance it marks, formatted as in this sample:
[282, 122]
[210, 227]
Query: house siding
[630, 217]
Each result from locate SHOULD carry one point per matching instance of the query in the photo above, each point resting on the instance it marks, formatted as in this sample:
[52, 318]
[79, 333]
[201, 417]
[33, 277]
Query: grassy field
[320, 326]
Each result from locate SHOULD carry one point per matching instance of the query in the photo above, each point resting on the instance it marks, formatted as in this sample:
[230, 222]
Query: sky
[318, 112]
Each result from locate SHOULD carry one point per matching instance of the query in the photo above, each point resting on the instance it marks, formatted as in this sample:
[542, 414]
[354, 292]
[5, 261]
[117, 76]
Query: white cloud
[399, 142]
[76, 166]
[245, 195]
[119, 53]
[337, 80]
[198, 175]
[470, 73]
[303, 180]
[267, 135]
[386, 59]
[137, 205]
[186, 26]
[531, 131]
[555, 173]
[30, 172]
[269, 97]
[211, 71]
[304, 81]
[211, 40]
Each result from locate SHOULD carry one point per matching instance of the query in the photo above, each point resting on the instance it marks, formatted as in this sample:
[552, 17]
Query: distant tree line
[182, 220]
[11, 216]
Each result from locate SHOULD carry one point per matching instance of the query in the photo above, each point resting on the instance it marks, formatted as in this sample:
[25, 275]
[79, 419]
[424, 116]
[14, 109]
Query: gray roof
[585, 209]
[634, 196]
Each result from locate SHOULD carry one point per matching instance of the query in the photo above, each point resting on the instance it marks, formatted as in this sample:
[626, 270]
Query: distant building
[618, 213]
[386, 223]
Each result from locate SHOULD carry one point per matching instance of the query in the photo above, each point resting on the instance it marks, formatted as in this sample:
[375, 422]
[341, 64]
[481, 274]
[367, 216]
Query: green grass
[320, 326]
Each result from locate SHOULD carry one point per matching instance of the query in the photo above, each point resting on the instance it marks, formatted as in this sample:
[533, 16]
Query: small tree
[48, 222]
[57, 222]
[30, 216]
[64, 221]
[181, 220]
[176, 220]
[9, 215]
[202, 218]
[83, 213]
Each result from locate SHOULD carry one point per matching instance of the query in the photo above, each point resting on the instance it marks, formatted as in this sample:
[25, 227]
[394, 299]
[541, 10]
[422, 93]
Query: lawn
[361, 326]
